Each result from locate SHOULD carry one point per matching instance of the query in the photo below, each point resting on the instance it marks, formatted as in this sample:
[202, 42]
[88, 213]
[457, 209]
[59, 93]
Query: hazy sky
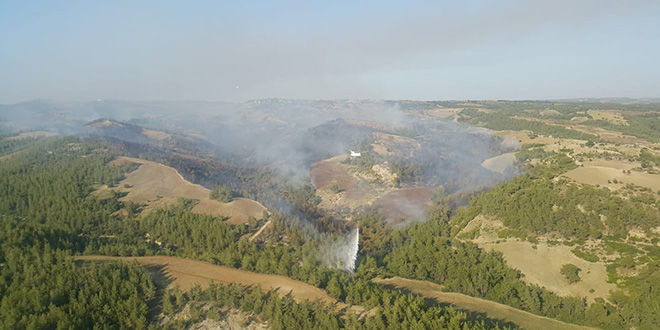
[240, 50]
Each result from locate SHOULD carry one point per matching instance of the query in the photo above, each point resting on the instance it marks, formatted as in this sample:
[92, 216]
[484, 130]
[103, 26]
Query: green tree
[571, 272]
[222, 193]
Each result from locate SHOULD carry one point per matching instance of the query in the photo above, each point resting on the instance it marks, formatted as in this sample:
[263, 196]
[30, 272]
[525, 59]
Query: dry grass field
[444, 112]
[390, 144]
[155, 135]
[524, 138]
[492, 309]
[157, 185]
[550, 112]
[27, 135]
[542, 265]
[614, 117]
[608, 135]
[499, 163]
[170, 271]
[600, 171]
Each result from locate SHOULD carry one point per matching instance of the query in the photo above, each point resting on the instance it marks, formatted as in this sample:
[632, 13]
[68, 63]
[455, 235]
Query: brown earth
[157, 186]
[407, 204]
[492, 309]
[330, 172]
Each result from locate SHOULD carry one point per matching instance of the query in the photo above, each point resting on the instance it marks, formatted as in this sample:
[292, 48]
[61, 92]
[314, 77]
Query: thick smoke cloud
[289, 136]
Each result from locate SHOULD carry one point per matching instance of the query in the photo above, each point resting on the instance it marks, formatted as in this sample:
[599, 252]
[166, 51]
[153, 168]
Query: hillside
[481, 215]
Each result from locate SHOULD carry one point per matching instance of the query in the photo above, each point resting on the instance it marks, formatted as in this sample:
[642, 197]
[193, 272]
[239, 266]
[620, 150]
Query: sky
[242, 50]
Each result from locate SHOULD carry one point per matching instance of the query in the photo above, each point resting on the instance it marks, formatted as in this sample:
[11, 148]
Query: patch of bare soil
[407, 204]
[231, 319]
[328, 173]
[492, 309]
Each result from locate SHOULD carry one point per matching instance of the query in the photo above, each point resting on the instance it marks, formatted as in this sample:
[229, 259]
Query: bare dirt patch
[492, 309]
[406, 204]
[330, 172]
[599, 172]
[157, 185]
[185, 273]
[542, 265]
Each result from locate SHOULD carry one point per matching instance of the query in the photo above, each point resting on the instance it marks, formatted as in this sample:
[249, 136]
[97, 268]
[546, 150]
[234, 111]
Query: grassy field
[155, 135]
[614, 117]
[600, 171]
[492, 309]
[170, 271]
[499, 163]
[27, 135]
[393, 145]
[542, 265]
[157, 185]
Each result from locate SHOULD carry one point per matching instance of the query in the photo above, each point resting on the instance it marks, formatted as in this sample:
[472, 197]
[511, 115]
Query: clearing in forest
[501, 163]
[337, 187]
[600, 171]
[29, 135]
[493, 310]
[613, 117]
[159, 186]
[397, 145]
[406, 204]
[170, 271]
[542, 266]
